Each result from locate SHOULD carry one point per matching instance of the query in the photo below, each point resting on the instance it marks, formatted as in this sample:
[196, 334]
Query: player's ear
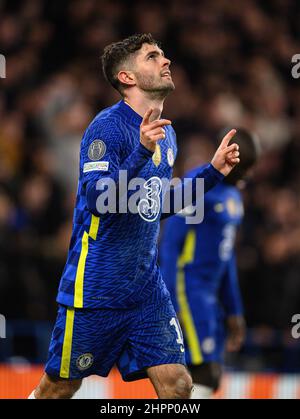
[126, 77]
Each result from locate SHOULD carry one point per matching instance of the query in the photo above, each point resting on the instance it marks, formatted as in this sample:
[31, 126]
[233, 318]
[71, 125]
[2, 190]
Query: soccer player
[114, 307]
[199, 268]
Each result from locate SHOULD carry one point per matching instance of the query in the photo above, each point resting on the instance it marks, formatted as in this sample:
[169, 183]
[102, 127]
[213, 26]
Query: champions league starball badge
[96, 150]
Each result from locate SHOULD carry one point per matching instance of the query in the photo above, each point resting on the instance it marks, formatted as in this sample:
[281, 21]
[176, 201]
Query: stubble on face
[158, 86]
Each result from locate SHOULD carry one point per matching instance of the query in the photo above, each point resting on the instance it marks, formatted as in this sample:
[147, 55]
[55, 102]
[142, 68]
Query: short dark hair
[118, 52]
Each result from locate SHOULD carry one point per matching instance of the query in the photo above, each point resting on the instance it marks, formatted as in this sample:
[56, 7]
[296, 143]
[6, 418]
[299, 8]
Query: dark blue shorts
[92, 341]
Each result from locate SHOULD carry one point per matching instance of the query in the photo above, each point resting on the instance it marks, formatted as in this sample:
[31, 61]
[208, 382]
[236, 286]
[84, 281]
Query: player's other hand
[226, 157]
[236, 333]
[152, 129]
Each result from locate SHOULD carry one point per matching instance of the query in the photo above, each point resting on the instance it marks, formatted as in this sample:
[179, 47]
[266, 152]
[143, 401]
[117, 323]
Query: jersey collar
[130, 114]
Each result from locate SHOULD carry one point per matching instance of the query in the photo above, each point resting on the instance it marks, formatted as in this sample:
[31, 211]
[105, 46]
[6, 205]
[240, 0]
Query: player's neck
[141, 104]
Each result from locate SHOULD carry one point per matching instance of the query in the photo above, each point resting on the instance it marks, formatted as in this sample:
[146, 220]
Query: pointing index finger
[146, 118]
[227, 138]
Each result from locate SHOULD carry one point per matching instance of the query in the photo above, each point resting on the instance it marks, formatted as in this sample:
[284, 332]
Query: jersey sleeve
[100, 152]
[188, 188]
[102, 158]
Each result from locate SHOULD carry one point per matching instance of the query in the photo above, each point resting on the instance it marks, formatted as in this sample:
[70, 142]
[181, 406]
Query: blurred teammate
[199, 268]
[114, 307]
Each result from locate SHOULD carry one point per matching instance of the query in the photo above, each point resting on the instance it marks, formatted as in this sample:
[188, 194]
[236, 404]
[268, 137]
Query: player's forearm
[131, 166]
[188, 189]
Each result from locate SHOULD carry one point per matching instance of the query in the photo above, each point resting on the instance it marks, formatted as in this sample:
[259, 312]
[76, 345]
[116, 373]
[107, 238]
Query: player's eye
[151, 56]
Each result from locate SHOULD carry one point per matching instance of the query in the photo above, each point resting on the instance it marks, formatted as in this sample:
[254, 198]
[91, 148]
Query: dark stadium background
[231, 63]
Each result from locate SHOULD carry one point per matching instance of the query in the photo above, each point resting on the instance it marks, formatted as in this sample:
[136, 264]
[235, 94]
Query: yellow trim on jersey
[67, 345]
[94, 227]
[185, 315]
[78, 293]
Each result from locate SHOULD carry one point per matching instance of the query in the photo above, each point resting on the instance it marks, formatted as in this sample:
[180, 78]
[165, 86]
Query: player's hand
[226, 157]
[236, 332]
[152, 130]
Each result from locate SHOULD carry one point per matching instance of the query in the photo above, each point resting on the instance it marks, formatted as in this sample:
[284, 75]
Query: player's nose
[166, 62]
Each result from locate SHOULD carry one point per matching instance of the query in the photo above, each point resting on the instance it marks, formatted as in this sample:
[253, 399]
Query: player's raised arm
[224, 160]
[226, 156]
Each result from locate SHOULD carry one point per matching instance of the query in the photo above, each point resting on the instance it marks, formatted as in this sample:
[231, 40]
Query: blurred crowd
[231, 63]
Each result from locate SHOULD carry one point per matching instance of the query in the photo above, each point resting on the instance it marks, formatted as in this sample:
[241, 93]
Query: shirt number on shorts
[179, 340]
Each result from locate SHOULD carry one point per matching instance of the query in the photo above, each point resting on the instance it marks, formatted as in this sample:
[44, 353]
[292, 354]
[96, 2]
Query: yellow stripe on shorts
[185, 315]
[78, 293]
[67, 345]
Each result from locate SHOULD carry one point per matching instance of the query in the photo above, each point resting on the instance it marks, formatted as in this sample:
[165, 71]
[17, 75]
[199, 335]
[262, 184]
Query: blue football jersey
[112, 259]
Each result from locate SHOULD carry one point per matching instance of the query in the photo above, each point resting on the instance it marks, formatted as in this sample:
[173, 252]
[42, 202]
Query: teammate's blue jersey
[198, 261]
[112, 260]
